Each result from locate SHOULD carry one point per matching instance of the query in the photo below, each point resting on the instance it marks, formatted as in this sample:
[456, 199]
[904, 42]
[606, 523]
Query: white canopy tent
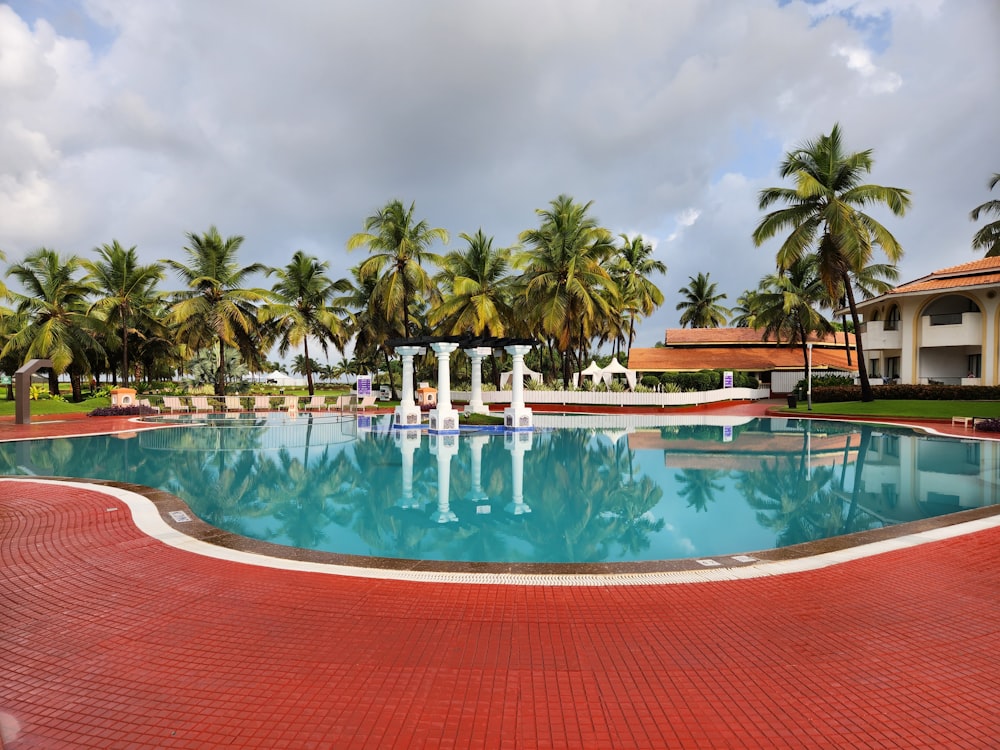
[506, 376]
[617, 368]
[593, 370]
[281, 379]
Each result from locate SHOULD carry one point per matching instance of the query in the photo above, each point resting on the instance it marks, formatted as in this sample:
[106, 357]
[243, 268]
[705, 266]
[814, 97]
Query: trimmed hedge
[915, 392]
[121, 411]
[706, 380]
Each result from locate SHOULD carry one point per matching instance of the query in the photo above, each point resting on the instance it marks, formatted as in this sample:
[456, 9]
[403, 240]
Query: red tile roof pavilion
[743, 349]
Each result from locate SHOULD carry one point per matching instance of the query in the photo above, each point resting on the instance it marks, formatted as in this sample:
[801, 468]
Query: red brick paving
[110, 639]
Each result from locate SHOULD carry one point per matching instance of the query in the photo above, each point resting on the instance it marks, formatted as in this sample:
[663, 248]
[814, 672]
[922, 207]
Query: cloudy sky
[291, 122]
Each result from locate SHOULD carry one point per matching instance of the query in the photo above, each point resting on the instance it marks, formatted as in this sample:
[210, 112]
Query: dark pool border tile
[196, 528]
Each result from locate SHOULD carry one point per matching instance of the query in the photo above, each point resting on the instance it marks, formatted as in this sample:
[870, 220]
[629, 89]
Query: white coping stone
[147, 519]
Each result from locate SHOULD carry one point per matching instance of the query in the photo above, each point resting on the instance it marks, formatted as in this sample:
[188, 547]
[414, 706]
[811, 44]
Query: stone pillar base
[407, 417]
[443, 420]
[517, 418]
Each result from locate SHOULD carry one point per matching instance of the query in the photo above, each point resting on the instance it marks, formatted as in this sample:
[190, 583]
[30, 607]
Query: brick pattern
[109, 639]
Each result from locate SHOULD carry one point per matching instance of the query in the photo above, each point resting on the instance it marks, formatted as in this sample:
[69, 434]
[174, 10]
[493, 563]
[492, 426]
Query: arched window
[892, 322]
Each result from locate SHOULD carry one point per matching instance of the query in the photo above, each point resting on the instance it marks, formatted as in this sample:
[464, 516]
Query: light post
[809, 375]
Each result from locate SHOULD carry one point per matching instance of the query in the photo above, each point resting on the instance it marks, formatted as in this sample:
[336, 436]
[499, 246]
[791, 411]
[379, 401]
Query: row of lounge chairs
[174, 404]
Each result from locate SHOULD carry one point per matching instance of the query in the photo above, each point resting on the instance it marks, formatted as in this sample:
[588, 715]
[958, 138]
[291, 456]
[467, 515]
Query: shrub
[909, 392]
[988, 425]
[650, 381]
[122, 411]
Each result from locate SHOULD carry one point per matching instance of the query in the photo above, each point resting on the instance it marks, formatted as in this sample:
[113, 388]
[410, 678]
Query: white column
[444, 418]
[517, 416]
[476, 355]
[518, 445]
[476, 442]
[444, 446]
[407, 441]
[408, 413]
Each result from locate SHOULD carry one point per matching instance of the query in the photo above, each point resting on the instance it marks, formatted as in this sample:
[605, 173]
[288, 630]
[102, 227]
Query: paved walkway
[110, 639]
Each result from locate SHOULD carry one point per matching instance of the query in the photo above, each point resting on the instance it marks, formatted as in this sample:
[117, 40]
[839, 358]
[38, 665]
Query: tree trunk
[308, 368]
[847, 339]
[388, 372]
[220, 374]
[53, 383]
[124, 352]
[867, 394]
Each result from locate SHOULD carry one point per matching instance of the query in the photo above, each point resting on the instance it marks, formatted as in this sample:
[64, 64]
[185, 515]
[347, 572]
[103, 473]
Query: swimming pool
[583, 494]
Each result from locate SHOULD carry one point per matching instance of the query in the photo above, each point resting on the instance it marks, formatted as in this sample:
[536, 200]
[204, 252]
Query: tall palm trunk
[220, 373]
[306, 363]
[867, 394]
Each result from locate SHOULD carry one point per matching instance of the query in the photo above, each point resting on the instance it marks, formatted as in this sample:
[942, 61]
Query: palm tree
[873, 280]
[398, 245]
[988, 238]
[746, 310]
[701, 304]
[304, 293]
[787, 306]
[566, 289]
[632, 267]
[54, 306]
[126, 293]
[823, 213]
[477, 289]
[372, 325]
[217, 310]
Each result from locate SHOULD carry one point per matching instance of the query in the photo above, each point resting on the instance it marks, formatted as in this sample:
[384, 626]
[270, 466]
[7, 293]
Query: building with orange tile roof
[941, 328]
[742, 350]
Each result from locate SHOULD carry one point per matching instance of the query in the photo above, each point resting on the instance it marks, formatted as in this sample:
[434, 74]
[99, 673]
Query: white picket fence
[623, 398]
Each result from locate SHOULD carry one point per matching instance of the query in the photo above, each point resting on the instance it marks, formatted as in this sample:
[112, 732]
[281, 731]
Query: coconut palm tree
[988, 238]
[304, 294]
[746, 310]
[823, 213]
[566, 289]
[476, 286]
[631, 269]
[54, 306]
[398, 245]
[701, 308]
[217, 309]
[126, 293]
[788, 302]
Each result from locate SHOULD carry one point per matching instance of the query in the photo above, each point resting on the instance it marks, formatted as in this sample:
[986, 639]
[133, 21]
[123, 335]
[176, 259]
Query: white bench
[964, 421]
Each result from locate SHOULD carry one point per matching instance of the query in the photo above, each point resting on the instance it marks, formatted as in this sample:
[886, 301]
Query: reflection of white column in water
[476, 405]
[444, 446]
[444, 418]
[476, 443]
[517, 416]
[407, 441]
[518, 443]
[407, 413]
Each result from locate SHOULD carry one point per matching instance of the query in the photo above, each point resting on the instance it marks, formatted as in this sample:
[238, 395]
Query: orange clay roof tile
[745, 358]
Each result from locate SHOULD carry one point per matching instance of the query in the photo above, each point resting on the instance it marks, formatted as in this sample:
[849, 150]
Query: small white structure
[606, 374]
[282, 380]
[615, 367]
[506, 377]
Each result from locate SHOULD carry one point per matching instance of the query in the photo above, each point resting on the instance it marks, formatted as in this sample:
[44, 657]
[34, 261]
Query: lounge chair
[174, 404]
[200, 403]
[233, 403]
[261, 403]
[365, 402]
[291, 402]
[145, 402]
[316, 402]
[343, 403]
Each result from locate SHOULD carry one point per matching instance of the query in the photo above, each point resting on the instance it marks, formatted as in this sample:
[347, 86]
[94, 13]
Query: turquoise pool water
[556, 495]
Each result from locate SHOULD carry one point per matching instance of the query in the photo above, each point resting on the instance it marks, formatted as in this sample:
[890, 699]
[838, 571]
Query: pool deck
[111, 638]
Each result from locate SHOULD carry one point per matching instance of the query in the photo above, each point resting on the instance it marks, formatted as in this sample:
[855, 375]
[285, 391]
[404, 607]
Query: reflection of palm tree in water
[698, 486]
[220, 487]
[301, 498]
[371, 490]
[581, 504]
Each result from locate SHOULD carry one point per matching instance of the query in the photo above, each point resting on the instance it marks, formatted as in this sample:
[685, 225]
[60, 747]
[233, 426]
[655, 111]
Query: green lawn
[49, 406]
[904, 408]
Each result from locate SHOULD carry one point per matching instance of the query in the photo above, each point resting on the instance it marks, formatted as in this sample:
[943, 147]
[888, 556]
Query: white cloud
[291, 125]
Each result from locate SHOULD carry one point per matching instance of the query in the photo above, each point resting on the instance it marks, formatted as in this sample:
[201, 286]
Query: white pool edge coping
[147, 519]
